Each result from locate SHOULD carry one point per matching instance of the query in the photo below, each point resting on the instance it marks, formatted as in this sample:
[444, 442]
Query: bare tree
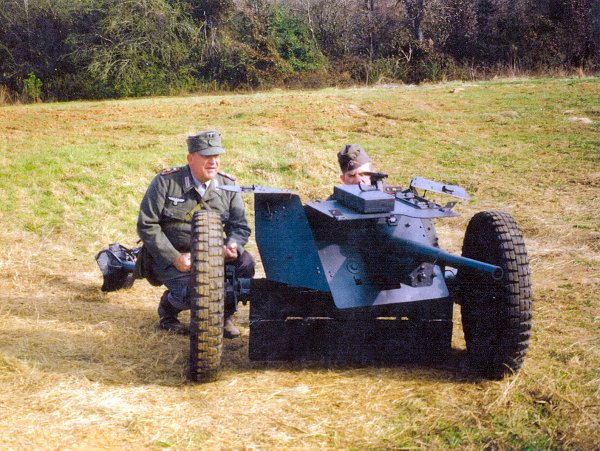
[415, 10]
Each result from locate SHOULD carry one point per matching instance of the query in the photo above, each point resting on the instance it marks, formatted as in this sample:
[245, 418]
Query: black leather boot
[168, 317]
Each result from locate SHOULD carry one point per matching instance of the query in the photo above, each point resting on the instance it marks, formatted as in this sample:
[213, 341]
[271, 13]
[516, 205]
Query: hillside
[83, 369]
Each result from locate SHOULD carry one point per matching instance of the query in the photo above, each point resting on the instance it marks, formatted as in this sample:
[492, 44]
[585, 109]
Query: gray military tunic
[162, 224]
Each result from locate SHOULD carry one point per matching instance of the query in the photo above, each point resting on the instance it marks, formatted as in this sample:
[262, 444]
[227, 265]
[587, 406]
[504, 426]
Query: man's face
[204, 168]
[356, 176]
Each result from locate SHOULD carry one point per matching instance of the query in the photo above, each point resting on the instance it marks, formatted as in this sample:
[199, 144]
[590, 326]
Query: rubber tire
[496, 315]
[207, 300]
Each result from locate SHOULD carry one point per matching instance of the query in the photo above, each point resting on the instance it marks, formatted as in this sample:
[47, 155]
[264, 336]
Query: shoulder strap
[199, 206]
[227, 176]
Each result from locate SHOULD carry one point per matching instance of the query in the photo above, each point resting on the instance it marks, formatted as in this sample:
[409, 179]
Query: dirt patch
[583, 120]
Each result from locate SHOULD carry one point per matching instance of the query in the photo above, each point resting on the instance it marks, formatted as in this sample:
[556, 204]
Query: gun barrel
[437, 255]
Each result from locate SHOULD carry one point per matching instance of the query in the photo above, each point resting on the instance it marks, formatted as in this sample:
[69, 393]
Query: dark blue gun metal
[369, 251]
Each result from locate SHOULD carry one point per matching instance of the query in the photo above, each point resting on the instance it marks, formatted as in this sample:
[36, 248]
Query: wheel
[207, 300]
[496, 315]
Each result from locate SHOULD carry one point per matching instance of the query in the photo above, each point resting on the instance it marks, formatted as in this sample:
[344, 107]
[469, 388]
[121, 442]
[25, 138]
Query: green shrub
[387, 68]
[148, 52]
[293, 41]
[244, 57]
[32, 88]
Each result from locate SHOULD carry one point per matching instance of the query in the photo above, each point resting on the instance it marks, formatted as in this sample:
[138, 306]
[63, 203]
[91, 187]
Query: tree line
[91, 49]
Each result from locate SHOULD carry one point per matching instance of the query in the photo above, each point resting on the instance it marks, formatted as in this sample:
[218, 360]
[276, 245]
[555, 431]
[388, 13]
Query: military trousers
[180, 289]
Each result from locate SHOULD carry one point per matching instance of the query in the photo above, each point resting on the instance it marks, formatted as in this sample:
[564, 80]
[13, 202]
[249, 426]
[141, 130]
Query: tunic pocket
[177, 211]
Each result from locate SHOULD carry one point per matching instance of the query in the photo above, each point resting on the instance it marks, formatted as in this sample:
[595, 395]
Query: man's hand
[230, 252]
[183, 263]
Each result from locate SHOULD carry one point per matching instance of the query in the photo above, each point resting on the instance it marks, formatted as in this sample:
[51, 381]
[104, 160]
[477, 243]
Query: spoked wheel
[207, 301]
[496, 315]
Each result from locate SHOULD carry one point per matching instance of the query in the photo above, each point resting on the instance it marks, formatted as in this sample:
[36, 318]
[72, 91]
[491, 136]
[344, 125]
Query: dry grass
[80, 369]
[5, 97]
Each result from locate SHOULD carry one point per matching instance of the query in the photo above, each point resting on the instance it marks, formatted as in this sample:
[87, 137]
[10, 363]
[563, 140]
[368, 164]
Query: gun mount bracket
[337, 214]
[436, 187]
[422, 276]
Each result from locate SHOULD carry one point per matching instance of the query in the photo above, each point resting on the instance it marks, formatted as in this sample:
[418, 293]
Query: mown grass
[84, 369]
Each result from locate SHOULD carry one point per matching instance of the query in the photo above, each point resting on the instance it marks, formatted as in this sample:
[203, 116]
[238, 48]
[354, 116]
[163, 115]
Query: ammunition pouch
[143, 267]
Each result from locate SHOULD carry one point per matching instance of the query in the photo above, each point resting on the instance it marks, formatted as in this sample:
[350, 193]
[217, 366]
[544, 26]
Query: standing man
[164, 225]
[354, 162]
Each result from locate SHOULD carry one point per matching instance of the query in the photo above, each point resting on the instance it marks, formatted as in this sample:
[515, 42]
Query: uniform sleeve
[148, 225]
[236, 227]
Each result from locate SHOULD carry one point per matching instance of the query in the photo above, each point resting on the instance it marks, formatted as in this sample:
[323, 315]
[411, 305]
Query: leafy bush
[140, 48]
[243, 57]
[32, 88]
[293, 41]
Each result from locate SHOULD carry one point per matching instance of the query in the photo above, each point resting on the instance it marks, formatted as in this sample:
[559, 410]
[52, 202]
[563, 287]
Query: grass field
[81, 369]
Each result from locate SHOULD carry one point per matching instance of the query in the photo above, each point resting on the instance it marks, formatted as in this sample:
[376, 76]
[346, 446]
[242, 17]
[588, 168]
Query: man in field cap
[164, 225]
[354, 162]
[205, 143]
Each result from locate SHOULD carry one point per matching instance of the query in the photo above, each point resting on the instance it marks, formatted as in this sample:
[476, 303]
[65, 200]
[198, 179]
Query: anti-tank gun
[361, 277]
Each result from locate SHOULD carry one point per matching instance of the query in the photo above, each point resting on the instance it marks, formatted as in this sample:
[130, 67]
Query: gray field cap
[352, 156]
[205, 143]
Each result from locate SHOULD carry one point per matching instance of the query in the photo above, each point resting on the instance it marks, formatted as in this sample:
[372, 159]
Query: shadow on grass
[77, 330]
[451, 367]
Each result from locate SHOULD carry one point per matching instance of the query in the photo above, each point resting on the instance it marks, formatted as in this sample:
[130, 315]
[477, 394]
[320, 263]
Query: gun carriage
[361, 277]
